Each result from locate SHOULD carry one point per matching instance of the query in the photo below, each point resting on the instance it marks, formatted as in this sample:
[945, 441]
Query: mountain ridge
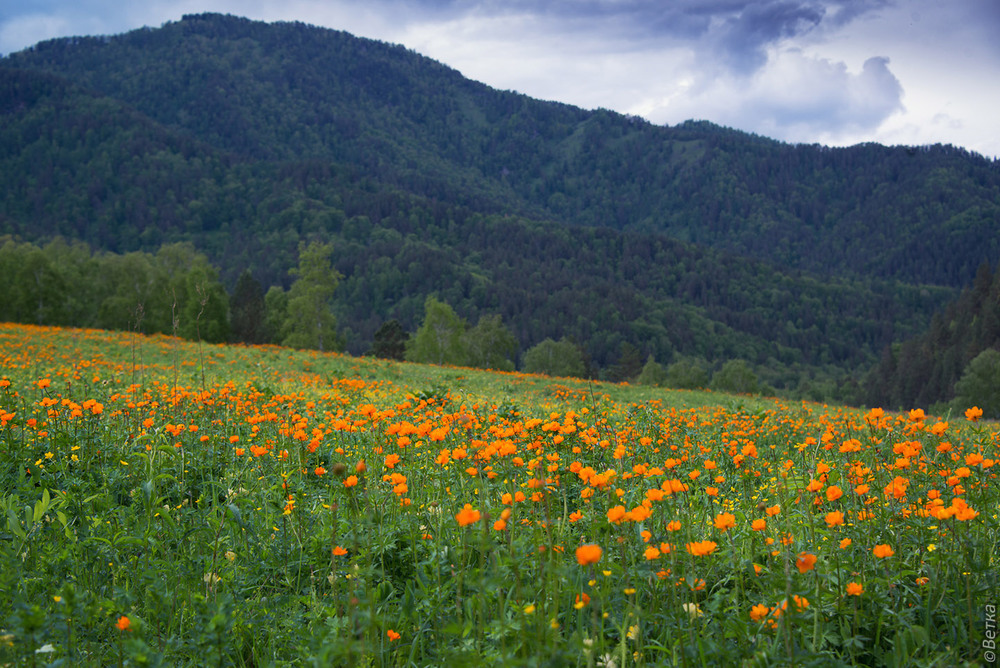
[227, 134]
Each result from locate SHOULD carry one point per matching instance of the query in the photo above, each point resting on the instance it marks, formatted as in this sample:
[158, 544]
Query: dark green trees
[389, 341]
[246, 309]
[980, 384]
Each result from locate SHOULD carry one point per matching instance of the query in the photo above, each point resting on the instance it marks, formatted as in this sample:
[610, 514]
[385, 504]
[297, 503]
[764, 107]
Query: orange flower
[844, 544]
[617, 514]
[674, 525]
[882, 551]
[973, 414]
[833, 493]
[467, 515]
[805, 562]
[701, 548]
[351, 481]
[582, 599]
[339, 551]
[724, 521]
[651, 553]
[759, 524]
[835, 518]
[759, 612]
[773, 510]
[123, 623]
[588, 554]
[319, 470]
[393, 635]
[854, 589]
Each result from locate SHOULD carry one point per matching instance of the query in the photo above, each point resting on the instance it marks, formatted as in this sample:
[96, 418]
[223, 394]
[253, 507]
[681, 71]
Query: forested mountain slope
[246, 138]
[291, 92]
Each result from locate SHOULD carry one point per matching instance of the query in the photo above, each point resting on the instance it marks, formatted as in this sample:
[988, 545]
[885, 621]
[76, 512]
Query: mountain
[245, 138]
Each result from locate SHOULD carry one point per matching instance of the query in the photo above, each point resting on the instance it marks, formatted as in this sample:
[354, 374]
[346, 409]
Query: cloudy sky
[834, 72]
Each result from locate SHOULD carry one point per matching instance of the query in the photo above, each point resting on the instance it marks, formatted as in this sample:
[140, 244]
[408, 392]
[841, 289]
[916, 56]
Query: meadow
[170, 503]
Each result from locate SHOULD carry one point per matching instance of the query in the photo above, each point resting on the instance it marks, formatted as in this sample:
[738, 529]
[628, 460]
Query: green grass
[166, 503]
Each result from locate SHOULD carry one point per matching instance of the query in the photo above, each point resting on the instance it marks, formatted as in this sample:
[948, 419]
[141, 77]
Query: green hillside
[695, 241]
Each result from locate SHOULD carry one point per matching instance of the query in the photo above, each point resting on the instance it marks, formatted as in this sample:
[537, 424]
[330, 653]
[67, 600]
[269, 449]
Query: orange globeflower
[338, 551]
[759, 524]
[617, 514]
[351, 481]
[319, 470]
[759, 612]
[882, 551]
[854, 589]
[973, 414]
[393, 635]
[835, 518]
[725, 521]
[805, 562]
[123, 623]
[467, 515]
[701, 548]
[833, 493]
[588, 554]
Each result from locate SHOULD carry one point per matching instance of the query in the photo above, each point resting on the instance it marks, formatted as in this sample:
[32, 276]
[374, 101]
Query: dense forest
[694, 242]
[963, 340]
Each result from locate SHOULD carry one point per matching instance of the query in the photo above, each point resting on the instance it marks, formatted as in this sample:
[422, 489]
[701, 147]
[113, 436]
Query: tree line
[176, 291]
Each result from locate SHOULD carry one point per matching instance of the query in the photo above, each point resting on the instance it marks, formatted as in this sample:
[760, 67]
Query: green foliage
[389, 341]
[440, 337]
[248, 314]
[980, 384]
[175, 291]
[490, 345]
[652, 374]
[310, 322]
[735, 377]
[924, 370]
[687, 374]
[628, 366]
[276, 313]
[554, 358]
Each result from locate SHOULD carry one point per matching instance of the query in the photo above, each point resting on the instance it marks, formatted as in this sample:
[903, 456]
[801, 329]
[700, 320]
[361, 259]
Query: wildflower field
[167, 503]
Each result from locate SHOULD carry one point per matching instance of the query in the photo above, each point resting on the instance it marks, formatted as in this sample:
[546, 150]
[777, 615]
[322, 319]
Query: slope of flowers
[353, 520]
